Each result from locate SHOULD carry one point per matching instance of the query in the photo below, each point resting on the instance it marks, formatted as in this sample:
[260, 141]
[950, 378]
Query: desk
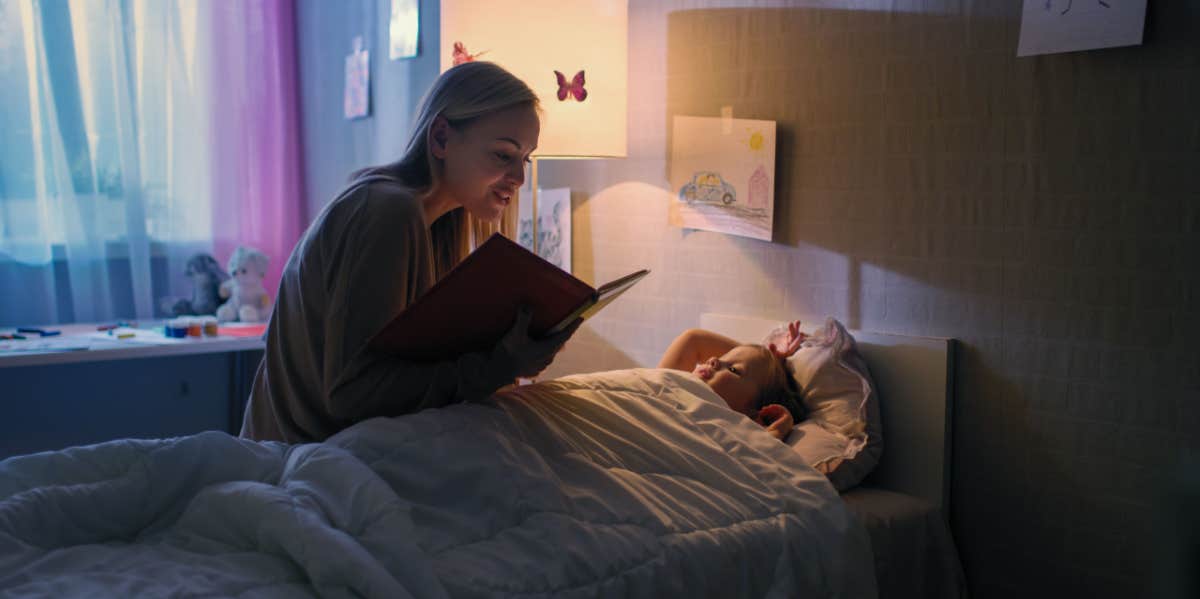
[138, 390]
[118, 349]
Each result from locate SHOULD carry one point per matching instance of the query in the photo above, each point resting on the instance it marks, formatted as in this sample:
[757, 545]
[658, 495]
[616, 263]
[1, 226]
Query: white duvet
[636, 483]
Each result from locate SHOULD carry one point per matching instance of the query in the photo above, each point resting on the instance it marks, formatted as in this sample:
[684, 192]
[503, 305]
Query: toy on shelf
[206, 276]
[247, 298]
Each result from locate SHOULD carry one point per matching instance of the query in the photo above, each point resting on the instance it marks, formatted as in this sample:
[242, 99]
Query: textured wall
[333, 146]
[1045, 211]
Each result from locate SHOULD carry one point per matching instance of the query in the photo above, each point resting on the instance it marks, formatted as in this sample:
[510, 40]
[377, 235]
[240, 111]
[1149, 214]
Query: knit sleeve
[381, 265]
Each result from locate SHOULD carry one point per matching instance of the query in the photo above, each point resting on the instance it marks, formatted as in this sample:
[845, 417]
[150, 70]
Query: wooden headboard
[914, 377]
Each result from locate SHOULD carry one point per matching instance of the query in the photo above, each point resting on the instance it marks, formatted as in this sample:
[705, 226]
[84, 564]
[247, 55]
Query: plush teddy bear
[206, 276]
[248, 300]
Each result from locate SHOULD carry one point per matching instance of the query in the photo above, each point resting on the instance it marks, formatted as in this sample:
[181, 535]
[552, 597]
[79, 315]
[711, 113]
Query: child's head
[749, 377]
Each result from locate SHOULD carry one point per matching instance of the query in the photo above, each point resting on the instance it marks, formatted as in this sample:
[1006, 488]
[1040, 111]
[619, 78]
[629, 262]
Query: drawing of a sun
[756, 141]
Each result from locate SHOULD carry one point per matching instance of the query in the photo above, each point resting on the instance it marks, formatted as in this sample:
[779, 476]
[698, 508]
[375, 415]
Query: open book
[476, 303]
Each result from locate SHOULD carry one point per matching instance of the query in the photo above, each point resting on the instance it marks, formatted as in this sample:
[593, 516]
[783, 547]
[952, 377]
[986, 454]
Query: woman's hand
[791, 343]
[777, 420]
[525, 356]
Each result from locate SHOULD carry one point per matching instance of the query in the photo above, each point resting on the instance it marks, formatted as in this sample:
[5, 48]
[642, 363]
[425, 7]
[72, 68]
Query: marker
[40, 332]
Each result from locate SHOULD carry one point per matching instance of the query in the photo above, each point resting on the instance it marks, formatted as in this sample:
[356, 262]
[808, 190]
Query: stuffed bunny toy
[247, 298]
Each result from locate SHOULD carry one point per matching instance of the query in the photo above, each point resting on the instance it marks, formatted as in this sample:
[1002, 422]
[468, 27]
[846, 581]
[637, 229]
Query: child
[752, 379]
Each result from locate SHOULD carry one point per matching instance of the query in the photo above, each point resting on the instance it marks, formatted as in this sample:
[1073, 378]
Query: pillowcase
[842, 435]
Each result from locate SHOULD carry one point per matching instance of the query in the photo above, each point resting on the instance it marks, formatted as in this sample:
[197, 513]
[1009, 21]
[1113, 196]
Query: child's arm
[695, 345]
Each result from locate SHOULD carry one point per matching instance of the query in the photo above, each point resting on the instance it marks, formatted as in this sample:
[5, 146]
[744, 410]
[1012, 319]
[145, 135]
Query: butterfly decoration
[574, 88]
[461, 55]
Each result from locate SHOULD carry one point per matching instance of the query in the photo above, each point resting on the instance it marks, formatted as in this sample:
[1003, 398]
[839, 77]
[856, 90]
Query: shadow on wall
[590, 349]
[1029, 207]
[886, 145]
[586, 350]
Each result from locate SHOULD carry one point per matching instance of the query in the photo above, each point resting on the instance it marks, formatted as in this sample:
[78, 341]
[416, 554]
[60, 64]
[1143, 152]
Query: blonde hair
[779, 385]
[462, 94]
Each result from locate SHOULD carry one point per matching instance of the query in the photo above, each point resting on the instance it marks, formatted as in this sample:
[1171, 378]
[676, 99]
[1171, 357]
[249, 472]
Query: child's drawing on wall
[721, 171]
[1051, 26]
[760, 189]
[554, 225]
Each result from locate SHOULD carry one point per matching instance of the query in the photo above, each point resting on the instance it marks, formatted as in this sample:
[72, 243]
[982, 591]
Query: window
[102, 135]
[125, 126]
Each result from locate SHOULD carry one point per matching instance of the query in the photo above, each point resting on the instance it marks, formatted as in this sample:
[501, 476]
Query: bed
[634, 483]
[904, 502]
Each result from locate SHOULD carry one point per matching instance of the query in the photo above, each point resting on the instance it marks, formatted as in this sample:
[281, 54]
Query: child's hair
[780, 386]
[462, 94]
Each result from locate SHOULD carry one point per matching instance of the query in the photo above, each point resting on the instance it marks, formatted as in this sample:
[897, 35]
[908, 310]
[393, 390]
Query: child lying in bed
[752, 379]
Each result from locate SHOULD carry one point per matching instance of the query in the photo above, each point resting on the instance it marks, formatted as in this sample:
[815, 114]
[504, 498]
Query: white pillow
[841, 434]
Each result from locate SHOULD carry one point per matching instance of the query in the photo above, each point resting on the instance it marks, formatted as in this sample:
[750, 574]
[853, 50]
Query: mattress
[914, 552]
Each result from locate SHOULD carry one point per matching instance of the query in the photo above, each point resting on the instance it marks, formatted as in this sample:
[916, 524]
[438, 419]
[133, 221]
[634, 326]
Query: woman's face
[484, 161]
[737, 376]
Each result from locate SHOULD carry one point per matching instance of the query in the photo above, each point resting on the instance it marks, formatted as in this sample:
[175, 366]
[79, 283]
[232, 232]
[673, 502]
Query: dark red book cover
[476, 303]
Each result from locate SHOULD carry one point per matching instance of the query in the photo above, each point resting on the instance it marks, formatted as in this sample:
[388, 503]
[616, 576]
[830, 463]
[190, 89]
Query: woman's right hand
[525, 356]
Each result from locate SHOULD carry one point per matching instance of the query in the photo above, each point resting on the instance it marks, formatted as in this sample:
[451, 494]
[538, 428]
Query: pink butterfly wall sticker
[461, 55]
[574, 88]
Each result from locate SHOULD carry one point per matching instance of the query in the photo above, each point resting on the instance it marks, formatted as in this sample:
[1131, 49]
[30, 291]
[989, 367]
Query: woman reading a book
[394, 231]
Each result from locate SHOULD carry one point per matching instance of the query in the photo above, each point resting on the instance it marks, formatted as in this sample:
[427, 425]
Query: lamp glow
[534, 38]
[573, 55]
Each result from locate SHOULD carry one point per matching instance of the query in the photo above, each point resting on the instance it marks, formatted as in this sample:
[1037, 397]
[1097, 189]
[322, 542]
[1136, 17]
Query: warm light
[535, 38]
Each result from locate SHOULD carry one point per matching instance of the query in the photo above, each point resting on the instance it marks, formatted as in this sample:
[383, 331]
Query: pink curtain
[254, 121]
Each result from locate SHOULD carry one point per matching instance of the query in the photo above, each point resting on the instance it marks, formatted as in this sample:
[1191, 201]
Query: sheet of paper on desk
[129, 335]
[47, 344]
[120, 337]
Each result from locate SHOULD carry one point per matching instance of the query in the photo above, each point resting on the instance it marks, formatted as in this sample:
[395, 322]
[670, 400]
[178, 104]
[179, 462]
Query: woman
[379, 246]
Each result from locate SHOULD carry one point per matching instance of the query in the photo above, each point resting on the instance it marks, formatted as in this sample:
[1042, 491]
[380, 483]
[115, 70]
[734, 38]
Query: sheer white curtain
[103, 157]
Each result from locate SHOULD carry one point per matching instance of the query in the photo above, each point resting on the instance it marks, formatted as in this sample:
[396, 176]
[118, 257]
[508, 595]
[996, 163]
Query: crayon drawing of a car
[708, 187]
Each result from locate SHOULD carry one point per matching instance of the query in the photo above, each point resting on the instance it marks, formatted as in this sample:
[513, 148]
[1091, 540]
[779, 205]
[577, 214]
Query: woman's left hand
[792, 343]
[777, 420]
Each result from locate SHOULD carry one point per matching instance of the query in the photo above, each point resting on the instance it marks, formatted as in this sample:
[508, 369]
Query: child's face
[737, 376]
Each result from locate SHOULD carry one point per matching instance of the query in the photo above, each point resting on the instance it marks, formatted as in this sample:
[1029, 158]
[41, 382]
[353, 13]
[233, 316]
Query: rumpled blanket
[635, 483]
